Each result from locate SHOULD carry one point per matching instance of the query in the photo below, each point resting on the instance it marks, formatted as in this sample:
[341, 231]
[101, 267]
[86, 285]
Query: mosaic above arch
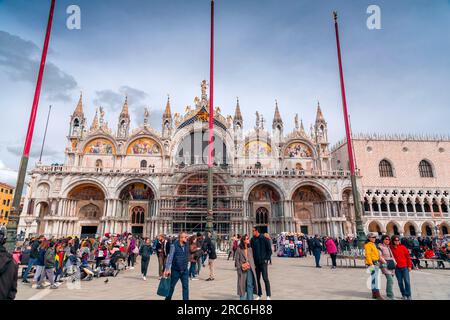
[298, 150]
[144, 146]
[100, 146]
[257, 149]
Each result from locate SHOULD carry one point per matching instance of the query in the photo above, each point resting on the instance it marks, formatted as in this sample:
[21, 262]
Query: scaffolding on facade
[184, 200]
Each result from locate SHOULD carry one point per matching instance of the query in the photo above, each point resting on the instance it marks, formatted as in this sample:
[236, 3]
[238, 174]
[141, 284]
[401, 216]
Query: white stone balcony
[234, 171]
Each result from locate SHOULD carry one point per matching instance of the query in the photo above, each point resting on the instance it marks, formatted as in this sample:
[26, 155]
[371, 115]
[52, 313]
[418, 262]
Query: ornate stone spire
[167, 112]
[79, 109]
[277, 121]
[237, 112]
[125, 112]
[302, 128]
[319, 114]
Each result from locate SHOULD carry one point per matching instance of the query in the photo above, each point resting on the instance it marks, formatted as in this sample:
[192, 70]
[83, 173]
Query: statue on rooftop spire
[258, 121]
[296, 121]
[146, 114]
[203, 85]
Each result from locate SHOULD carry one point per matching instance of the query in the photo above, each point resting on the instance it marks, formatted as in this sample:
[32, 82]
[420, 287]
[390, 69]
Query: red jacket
[402, 257]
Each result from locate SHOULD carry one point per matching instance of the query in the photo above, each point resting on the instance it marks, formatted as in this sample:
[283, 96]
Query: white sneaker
[144, 277]
[258, 298]
[194, 279]
[131, 268]
[268, 298]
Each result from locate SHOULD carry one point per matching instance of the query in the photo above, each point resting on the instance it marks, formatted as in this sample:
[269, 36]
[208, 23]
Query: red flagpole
[14, 216]
[344, 99]
[355, 193]
[211, 90]
[26, 149]
[209, 217]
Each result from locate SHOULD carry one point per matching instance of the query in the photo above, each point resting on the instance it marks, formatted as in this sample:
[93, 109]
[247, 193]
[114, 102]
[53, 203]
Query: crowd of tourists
[182, 257]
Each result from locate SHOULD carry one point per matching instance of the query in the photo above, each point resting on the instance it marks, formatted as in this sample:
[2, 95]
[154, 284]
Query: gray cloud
[35, 151]
[19, 59]
[155, 117]
[113, 101]
[109, 99]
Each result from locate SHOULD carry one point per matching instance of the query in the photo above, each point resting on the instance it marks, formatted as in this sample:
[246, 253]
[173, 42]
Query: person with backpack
[212, 255]
[34, 252]
[145, 251]
[47, 269]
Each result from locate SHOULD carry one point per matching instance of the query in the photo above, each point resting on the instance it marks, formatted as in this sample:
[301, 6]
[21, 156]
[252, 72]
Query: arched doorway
[427, 229]
[444, 229]
[137, 220]
[136, 203]
[43, 210]
[89, 202]
[306, 201]
[265, 204]
[374, 226]
[410, 229]
[392, 229]
[262, 219]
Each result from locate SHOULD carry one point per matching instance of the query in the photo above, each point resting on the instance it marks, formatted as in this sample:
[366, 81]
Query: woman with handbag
[246, 271]
[388, 264]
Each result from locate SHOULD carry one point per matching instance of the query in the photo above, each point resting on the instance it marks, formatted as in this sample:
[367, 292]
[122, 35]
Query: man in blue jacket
[177, 265]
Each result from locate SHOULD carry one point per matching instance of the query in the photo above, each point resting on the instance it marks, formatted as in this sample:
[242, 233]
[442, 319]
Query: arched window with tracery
[425, 169]
[138, 215]
[262, 216]
[385, 168]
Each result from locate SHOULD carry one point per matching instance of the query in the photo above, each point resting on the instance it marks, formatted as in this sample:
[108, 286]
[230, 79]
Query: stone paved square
[290, 278]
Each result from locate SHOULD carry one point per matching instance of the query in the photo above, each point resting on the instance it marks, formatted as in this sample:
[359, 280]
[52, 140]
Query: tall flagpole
[15, 210]
[209, 217]
[45, 133]
[356, 198]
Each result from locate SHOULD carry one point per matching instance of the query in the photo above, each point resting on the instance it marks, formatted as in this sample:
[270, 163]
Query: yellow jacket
[371, 253]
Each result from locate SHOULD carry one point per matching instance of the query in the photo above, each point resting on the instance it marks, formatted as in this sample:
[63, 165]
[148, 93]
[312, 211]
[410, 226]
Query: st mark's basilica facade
[148, 182]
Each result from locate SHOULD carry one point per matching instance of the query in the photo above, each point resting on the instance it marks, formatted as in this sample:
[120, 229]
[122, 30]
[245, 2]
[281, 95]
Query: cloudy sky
[397, 78]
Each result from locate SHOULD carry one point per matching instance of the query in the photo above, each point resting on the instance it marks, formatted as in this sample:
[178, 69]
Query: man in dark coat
[8, 271]
[316, 245]
[262, 251]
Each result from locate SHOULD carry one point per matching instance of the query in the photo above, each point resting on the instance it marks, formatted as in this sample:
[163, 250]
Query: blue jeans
[249, 287]
[404, 283]
[31, 263]
[317, 254]
[193, 270]
[184, 277]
